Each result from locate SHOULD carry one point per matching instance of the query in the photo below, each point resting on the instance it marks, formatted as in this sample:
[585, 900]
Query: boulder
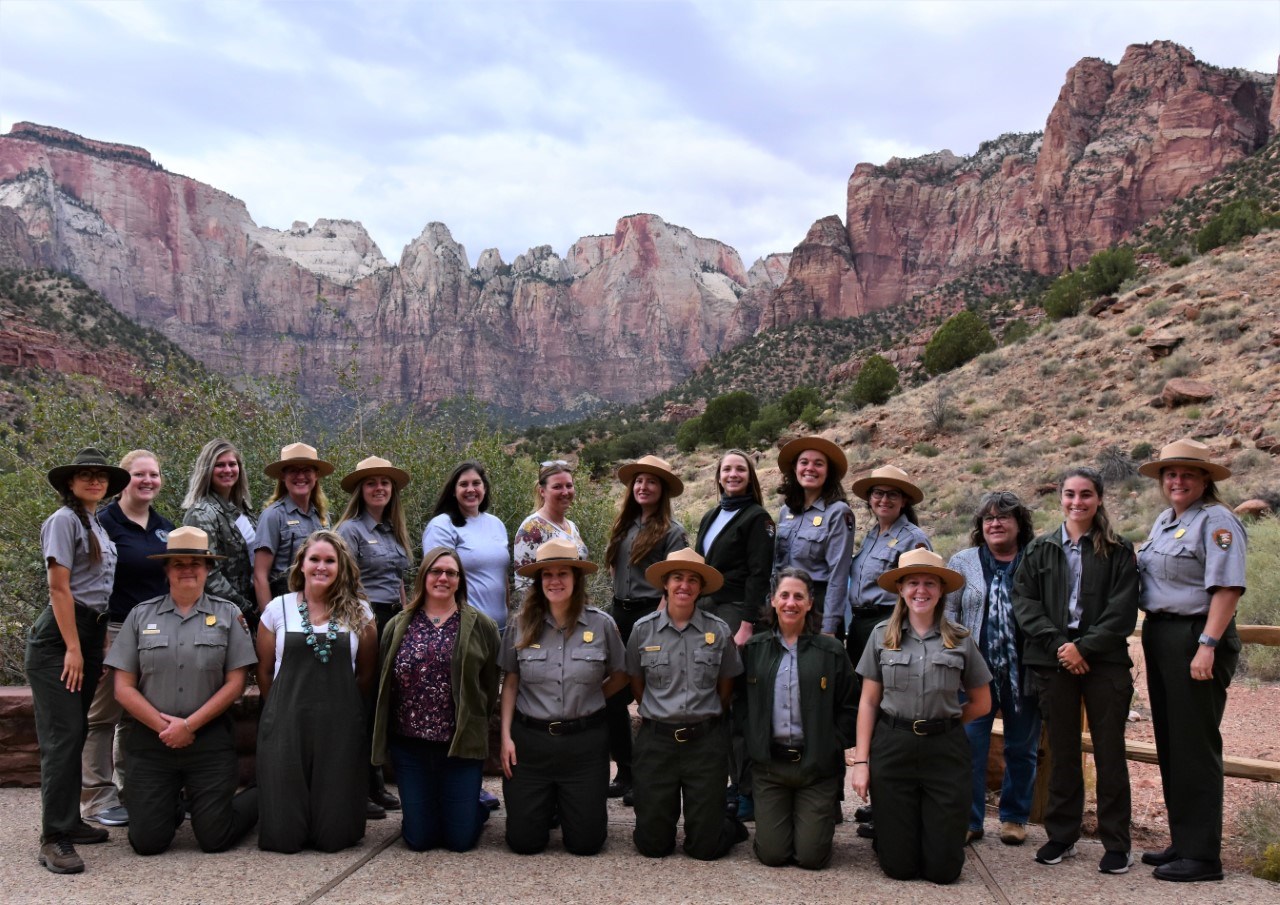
[1184, 391]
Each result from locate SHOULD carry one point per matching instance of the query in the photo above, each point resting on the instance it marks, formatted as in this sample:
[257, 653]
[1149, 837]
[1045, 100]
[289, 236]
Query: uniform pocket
[211, 649]
[656, 666]
[706, 667]
[587, 666]
[947, 667]
[1181, 564]
[153, 653]
[895, 667]
[531, 664]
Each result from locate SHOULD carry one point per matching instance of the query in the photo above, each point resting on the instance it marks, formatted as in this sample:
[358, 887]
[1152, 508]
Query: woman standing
[64, 649]
[815, 526]
[1192, 569]
[912, 754]
[643, 533]
[800, 717]
[317, 654]
[218, 503]
[1075, 596]
[437, 687]
[138, 532]
[562, 658]
[296, 510]
[1001, 530]
[461, 522]
[373, 527]
[554, 495]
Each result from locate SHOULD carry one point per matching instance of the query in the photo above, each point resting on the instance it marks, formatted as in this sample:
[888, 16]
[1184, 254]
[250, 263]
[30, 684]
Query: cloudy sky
[529, 123]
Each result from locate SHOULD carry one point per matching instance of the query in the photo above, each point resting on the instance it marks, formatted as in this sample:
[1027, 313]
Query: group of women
[728, 645]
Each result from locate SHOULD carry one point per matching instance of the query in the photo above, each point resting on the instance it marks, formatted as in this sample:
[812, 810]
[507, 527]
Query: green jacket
[474, 677]
[743, 553]
[1108, 601]
[230, 578]
[828, 707]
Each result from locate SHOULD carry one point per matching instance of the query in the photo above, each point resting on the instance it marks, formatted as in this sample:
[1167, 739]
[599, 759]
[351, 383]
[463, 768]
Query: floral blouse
[423, 700]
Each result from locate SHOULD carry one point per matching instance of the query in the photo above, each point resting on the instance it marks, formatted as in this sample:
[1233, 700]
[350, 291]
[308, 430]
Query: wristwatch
[1208, 640]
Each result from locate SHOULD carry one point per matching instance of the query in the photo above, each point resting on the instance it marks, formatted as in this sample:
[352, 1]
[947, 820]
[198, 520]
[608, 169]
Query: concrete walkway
[382, 870]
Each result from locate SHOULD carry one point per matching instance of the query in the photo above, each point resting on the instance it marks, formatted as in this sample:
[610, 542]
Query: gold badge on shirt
[817, 521]
[1179, 532]
[588, 637]
[711, 637]
[210, 620]
[891, 542]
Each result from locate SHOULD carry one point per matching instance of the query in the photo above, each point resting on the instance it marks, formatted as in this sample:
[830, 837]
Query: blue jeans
[1021, 745]
[439, 795]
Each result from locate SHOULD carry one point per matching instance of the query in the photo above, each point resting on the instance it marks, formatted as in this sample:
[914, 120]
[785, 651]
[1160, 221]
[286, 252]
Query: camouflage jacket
[230, 578]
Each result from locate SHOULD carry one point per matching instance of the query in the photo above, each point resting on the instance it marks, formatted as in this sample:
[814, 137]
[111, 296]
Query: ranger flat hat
[835, 455]
[93, 459]
[298, 454]
[556, 552]
[914, 562]
[188, 542]
[887, 476]
[686, 560]
[374, 467]
[654, 466]
[1185, 452]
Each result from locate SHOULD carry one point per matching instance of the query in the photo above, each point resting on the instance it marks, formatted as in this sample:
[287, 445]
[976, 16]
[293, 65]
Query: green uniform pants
[795, 815]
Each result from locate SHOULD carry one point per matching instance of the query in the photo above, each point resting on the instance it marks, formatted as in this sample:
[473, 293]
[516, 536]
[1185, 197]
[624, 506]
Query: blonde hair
[199, 486]
[319, 502]
[951, 632]
[346, 596]
[127, 460]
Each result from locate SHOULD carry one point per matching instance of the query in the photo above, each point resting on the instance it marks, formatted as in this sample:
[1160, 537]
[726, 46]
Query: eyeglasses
[550, 462]
[992, 519]
[881, 494]
[92, 476]
[450, 574]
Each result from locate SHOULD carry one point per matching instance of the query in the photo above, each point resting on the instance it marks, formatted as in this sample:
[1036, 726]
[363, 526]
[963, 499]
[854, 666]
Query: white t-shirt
[284, 609]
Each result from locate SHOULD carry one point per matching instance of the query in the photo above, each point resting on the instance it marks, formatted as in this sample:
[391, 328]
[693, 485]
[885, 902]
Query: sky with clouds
[529, 123]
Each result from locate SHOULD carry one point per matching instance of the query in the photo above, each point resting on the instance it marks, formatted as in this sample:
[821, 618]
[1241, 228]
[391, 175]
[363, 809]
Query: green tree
[689, 435]
[1065, 296]
[736, 409]
[1236, 220]
[962, 337]
[1108, 269]
[875, 382]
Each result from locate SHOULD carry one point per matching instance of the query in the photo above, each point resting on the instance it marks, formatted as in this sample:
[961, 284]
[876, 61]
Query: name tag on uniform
[892, 542]
[588, 637]
[817, 521]
[536, 646]
[370, 540]
[293, 521]
[652, 647]
[151, 629]
[1180, 532]
[711, 637]
[790, 516]
[210, 620]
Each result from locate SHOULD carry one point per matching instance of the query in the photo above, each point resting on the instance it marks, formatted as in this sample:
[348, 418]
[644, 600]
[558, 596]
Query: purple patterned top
[423, 698]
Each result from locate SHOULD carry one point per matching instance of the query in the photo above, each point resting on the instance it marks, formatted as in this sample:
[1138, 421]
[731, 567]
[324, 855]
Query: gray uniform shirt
[64, 540]
[1076, 567]
[182, 661]
[923, 680]
[1183, 558]
[681, 668]
[878, 554]
[561, 677]
[379, 556]
[787, 726]
[820, 541]
[629, 582]
[282, 529]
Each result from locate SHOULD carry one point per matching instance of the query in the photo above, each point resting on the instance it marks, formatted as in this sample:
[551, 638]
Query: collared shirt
[533, 532]
[562, 678]
[1184, 559]
[182, 661]
[629, 582]
[64, 540]
[681, 667]
[481, 545]
[878, 554]
[379, 556]
[820, 541]
[282, 529]
[1074, 568]
[923, 680]
[787, 727]
[137, 577]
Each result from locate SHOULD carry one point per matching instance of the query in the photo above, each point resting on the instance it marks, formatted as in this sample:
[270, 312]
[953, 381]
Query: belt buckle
[795, 755]
[553, 727]
[915, 727]
[677, 734]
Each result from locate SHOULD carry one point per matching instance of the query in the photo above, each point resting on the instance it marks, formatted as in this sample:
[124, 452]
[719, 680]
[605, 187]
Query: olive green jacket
[473, 676]
[230, 578]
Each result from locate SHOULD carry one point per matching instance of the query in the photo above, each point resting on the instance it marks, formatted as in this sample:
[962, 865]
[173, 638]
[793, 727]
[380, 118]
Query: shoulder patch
[244, 625]
[1223, 538]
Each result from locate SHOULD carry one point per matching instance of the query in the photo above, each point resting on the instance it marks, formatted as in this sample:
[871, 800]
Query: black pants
[208, 771]
[617, 708]
[667, 771]
[565, 774]
[1186, 716]
[62, 717]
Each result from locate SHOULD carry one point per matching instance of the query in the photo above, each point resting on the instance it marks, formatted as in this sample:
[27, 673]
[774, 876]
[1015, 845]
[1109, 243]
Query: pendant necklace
[321, 648]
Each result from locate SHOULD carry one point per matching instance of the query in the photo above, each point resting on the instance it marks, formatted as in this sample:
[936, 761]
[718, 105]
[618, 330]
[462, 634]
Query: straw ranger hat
[914, 562]
[1185, 452]
[298, 454]
[887, 476]
[791, 451]
[374, 467]
[188, 542]
[95, 460]
[557, 553]
[654, 466]
[686, 560]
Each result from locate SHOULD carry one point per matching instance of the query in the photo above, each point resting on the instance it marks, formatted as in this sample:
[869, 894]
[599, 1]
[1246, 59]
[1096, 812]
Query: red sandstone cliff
[1121, 143]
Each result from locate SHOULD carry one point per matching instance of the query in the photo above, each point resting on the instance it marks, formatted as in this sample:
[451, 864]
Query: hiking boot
[60, 857]
[1013, 833]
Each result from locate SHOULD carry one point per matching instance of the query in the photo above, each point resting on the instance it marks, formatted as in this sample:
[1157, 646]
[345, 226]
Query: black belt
[788, 753]
[1176, 617]
[871, 610]
[562, 727]
[683, 732]
[635, 603]
[921, 727]
[90, 613]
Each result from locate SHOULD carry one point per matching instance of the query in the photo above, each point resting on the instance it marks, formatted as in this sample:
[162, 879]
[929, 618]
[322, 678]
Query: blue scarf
[1002, 642]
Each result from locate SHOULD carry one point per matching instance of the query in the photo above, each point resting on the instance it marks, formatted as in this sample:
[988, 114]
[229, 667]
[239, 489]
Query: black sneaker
[1053, 852]
[60, 857]
[1115, 863]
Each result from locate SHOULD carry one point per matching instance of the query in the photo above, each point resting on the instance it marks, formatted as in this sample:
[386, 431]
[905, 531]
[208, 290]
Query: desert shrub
[1135, 329]
[689, 434]
[928, 450]
[1108, 269]
[1261, 606]
[1179, 364]
[1015, 397]
[1065, 296]
[1258, 823]
[940, 414]
[1075, 440]
[1242, 217]
[961, 338]
[1141, 452]
[736, 409]
[875, 383]
[1158, 308]
[990, 363]
[1015, 332]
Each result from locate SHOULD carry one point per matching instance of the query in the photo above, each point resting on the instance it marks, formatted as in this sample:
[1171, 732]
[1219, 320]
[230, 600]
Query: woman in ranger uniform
[218, 503]
[296, 510]
[912, 753]
[1192, 568]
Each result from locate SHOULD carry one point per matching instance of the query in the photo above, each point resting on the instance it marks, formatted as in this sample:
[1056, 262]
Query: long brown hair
[1104, 536]
[393, 515]
[346, 595]
[72, 502]
[201, 483]
[951, 632]
[651, 532]
[535, 608]
[793, 494]
[420, 583]
[752, 481]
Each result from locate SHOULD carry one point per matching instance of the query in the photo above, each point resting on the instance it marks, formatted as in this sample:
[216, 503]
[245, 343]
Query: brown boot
[61, 858]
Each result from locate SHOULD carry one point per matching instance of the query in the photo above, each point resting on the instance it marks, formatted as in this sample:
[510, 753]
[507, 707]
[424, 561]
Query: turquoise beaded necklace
[321, 648]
